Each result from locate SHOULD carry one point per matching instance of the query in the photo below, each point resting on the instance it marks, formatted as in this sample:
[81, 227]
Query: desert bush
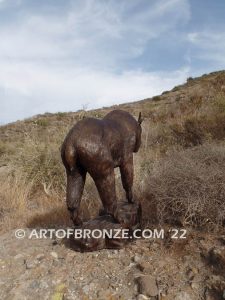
[42, 122]
[188, 186]
[18, 208]
[3, 149]
[188, 134]
[190, 79]
[60, 115]
[40, 163]
[165, 92]
[176, 88]
[6, 149]
[220, 102]
[156, 98]
[13, 200]
[219, 82]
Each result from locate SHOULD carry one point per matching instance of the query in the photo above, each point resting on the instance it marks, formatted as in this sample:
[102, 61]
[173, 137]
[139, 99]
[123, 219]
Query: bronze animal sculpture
[97, 147]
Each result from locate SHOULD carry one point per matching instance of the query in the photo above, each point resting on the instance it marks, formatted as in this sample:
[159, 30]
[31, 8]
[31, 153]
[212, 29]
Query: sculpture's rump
[97, 147]
[103, 140]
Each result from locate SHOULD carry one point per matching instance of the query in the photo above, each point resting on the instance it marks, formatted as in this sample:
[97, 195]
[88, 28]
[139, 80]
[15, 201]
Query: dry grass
[21, 208]
[187, 187]
[179, 165]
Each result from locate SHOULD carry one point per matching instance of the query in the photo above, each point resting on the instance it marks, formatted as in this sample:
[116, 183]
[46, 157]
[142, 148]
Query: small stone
[195, 285]
[164, 297]
[40, 256]
[34, 284]
[217, 256]
[183, 296]
[136, 288]
[86, 289]
[18, 256]
[142, 297]
[131, 265]
[31, 264]
[148, 286]
[195, 270]
[145, 266]
[44, 285]
[92, 286]
[104, 294]
[190, 274]
[54, 254]
[136, 258]
[19, 260]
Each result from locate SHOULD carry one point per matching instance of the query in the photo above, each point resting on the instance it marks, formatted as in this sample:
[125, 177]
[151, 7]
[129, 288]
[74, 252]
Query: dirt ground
[188, 269]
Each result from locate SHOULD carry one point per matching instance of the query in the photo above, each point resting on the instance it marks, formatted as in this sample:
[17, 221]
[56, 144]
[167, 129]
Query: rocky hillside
[187, 122]
[179, 179]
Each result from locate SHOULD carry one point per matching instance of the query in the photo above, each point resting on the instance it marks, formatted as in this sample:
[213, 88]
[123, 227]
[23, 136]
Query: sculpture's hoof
[102, 212]
[129, 214]
[88, 243]
[77, 221]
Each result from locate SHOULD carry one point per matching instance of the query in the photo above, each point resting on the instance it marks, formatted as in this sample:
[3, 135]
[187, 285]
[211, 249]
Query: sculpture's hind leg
[127, 174]
[74, 191]
[107, 191]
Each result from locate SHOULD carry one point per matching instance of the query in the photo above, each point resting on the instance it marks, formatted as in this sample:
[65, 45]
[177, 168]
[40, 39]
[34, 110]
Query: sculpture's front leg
[127, 174]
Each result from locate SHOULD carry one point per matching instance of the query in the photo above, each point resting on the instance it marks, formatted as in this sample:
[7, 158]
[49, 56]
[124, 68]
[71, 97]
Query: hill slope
[188, 122]
[179, 178]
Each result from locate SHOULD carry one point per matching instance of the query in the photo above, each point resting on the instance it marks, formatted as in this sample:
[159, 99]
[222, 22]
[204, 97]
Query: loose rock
[54, 254]
[142, 297]
[148, 286]
[183, 296]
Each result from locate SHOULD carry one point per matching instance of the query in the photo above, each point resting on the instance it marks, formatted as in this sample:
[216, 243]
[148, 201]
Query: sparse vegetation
[179, 171]
[156, 98]
[42, 122]
[189, 79]
[187, 187]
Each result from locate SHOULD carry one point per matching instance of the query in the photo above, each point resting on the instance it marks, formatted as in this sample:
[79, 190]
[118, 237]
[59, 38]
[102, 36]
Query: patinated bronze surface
[129, 215]
[86, 244]
[97, 147]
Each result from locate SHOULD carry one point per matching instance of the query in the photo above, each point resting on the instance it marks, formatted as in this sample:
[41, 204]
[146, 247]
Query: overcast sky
[64, 55]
